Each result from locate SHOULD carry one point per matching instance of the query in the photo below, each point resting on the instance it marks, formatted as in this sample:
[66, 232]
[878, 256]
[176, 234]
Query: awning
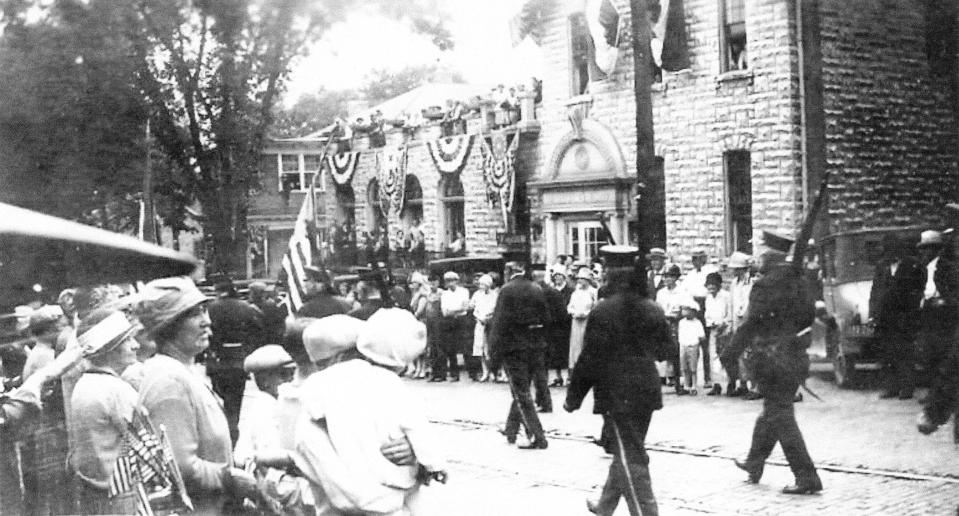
[56, 253]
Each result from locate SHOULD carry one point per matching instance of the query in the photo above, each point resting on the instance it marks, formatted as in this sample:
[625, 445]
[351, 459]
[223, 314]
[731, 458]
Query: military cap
[270, 356]
[619, 255]
[777, 242]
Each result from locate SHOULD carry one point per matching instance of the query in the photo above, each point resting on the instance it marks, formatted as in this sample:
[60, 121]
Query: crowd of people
[264, 410]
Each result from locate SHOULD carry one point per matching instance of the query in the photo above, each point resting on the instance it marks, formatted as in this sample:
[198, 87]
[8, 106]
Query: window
[739, 205]
[374, 213]
[297, 172]
[581, 50]
[732, 37]
[452, 199]
[585, 238]
[412, 202]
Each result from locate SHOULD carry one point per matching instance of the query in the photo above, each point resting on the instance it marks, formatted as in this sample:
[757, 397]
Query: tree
[310, 113]
[71, 115]
[206, 72]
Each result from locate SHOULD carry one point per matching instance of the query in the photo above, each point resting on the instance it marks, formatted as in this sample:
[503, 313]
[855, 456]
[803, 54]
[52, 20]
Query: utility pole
[642, 84]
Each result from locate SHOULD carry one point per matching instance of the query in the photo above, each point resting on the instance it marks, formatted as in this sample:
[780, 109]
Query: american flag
[299, 254]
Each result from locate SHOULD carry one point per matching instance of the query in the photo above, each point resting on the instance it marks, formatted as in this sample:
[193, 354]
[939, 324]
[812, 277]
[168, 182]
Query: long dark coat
[559, 329]
[625, 335]
[894, 300]
[520, 319]
[779, 308]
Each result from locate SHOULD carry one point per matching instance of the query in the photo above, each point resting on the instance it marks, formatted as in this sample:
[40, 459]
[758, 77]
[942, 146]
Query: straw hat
[392, 337]
[103, 330]
[584, 273]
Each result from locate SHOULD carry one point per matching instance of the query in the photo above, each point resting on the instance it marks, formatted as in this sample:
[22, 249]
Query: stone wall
[698, 115]
[890, 128]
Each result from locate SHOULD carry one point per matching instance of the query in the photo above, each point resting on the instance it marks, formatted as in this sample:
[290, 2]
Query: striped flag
[299, 254]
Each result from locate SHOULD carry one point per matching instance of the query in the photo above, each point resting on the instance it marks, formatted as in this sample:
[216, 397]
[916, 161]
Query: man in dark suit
[779, 314]
[237, 328]
[320, 301]
[625, 334]
[518, 338]
[894, 308]
[656, 271]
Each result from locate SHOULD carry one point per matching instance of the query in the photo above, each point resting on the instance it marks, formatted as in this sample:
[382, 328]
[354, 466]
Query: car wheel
[844, 368]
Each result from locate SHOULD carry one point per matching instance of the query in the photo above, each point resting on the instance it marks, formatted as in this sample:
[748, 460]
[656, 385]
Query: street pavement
[871, 458]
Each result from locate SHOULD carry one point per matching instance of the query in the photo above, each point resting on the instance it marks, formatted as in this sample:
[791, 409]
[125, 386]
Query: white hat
[690, 303]
[103, 330]
[331, 336]
[739, 260]
[584, 273]
[929, 237]
[270, 356]
[450, 275]
[392, 337]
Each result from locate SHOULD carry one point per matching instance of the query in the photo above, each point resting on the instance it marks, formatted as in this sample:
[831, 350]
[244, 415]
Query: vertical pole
[642, 83]
[149, 221]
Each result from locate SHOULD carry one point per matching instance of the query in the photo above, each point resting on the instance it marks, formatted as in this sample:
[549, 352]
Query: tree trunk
[642, 83]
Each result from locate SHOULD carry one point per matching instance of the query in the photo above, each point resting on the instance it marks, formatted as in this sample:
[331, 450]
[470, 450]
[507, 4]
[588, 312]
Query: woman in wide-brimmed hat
[581, 302]
[174, 313]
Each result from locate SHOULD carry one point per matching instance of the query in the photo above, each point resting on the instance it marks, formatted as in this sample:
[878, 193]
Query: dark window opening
[453, 201]
[734, 55]
[739, 203]
[581, 50]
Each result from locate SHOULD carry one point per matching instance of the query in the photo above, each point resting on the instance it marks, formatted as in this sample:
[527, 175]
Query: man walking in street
[780, 312]
[894, 308]
[237, 328]
[518, 339]
[625, 334]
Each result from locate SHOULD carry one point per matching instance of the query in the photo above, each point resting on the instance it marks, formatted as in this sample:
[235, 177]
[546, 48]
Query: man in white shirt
[454, 305]
[939, 298]
[695, 284]
[671, 298]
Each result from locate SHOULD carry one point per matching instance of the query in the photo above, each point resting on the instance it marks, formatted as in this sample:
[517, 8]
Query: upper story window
[297, 172]
[732, 35]
[581, 52]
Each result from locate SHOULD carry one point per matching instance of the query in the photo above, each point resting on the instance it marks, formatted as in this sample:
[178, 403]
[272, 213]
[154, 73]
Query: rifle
[809, 221]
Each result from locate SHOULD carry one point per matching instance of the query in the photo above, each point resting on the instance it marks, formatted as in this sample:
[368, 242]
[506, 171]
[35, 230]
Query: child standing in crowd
[691, 335]
[719, 321]
[670, 298]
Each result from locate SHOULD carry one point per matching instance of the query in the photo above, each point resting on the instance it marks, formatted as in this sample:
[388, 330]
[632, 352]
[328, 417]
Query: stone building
[445, 194]
[777, 93]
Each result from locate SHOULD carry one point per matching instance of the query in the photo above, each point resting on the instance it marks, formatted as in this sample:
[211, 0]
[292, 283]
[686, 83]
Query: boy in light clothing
[719, 319]
[691, 336]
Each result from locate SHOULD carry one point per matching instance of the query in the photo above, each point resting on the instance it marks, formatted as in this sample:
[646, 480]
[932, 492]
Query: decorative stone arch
[738, 141]
[596, 136]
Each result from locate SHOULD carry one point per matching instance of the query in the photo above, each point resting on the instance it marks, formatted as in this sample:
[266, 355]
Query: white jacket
[349, 410]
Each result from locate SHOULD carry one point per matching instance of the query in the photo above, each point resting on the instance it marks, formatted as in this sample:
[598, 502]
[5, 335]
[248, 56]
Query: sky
[483, 51]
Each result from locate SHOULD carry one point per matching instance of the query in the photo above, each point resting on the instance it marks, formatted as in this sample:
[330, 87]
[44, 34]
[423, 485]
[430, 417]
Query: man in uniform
[625, 334]
[518, 339]
[237, 329]
[780, 312]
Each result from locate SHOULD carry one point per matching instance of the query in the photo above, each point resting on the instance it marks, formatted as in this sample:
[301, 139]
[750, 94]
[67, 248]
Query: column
[549, 234]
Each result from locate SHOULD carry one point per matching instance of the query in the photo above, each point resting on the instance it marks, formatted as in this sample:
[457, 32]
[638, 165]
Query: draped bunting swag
[391, 176]
[499, 172]
[342, 167]
[450, 154]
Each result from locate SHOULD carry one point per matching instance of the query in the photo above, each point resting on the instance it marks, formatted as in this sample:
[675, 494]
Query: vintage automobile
[848, 261]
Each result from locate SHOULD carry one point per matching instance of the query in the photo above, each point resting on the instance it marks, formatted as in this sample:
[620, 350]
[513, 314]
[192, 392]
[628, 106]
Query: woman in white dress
[482, 304]
[581, 302]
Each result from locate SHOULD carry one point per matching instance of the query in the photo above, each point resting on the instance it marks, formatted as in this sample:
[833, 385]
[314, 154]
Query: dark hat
[777, 242]
[619, 255]
[714, 278]
[673, 271]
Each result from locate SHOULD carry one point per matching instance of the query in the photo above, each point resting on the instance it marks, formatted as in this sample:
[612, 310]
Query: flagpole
[316, 238]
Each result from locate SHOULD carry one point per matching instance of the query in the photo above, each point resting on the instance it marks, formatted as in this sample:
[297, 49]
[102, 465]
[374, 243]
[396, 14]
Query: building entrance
[583, 240]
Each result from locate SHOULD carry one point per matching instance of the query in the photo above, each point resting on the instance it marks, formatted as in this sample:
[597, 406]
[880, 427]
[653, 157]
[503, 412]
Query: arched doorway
[453, 218]
[344, 235]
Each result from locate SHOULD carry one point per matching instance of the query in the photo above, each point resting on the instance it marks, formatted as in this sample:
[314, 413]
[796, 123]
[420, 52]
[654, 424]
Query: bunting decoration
[391, 176]
[450, 154]
[342, 166]
[499, 172]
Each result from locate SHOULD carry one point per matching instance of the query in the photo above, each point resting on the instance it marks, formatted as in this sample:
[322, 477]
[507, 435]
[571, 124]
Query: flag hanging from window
[668, 42]
[299, 253]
